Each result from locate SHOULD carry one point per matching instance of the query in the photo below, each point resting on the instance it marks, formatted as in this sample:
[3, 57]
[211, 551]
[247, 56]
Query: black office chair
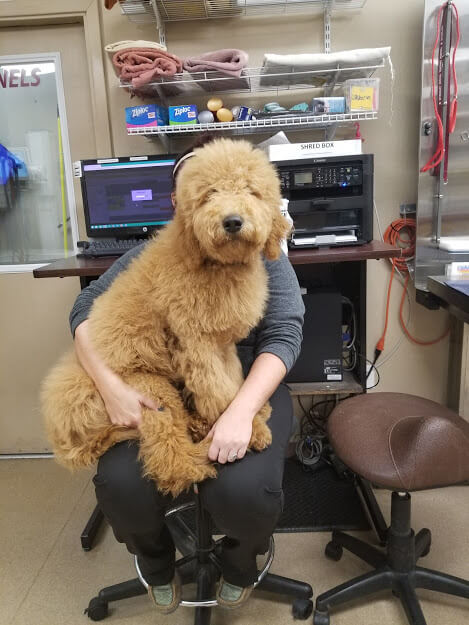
[201, 564]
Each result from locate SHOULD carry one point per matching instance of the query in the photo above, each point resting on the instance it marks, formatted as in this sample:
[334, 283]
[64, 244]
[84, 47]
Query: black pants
[245, 502]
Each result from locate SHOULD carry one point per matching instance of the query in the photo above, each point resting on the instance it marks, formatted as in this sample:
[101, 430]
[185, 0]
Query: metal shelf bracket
[327, 27]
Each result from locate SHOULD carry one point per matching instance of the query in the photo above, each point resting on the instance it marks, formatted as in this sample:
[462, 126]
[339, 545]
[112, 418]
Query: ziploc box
[146, 116]
[183, 114]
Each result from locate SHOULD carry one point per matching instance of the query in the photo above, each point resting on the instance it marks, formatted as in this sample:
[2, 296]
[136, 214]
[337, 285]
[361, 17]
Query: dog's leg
[167, 452]
[213, 374]
[75, 416]
[261, 435]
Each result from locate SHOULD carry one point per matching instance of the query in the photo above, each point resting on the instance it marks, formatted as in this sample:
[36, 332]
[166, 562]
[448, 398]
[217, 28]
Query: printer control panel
[322, 176]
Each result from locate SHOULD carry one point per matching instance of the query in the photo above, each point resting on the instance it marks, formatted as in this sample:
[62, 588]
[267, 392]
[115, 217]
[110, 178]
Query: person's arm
[85, 300]
[278, 346]
[123, 403]
[232, 431]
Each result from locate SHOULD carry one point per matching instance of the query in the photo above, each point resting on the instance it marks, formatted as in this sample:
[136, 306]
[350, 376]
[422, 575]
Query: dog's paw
[264, 413]
[183, 482]
[198, 428]
[261, 435]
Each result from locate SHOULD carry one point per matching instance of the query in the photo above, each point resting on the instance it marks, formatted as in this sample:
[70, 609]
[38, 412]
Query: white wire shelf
[300, 122]
[253, 80]
[176, 10]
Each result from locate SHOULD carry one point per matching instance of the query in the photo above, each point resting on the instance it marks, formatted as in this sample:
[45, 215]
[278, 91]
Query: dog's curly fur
[169, 323]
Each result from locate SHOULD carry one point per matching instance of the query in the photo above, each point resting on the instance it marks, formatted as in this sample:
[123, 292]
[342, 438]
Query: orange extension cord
[393, 236]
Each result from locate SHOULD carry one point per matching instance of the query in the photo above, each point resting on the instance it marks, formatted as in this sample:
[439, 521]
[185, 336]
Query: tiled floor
[46, 579]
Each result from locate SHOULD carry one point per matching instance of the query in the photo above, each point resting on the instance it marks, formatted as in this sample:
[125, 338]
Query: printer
[330, 199]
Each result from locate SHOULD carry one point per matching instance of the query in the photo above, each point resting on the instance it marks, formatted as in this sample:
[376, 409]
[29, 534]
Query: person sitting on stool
[245, 500]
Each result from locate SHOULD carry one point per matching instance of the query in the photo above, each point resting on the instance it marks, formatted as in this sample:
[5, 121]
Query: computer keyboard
[104, 247]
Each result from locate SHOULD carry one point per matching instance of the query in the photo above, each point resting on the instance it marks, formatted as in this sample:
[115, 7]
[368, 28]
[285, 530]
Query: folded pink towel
[230, 62]
[142, 65]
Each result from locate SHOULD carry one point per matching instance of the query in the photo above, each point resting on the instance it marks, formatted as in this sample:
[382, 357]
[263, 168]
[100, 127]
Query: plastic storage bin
[361, 94]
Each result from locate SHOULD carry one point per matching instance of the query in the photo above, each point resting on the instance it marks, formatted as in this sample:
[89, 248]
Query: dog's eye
[256, 194]
[207, 195]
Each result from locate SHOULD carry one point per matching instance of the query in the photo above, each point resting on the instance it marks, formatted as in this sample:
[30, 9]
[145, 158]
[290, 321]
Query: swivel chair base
[200, 565]
[395, 570]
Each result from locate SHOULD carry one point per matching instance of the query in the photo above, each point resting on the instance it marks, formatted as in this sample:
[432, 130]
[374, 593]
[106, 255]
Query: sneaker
[230, 596]
[167, 597]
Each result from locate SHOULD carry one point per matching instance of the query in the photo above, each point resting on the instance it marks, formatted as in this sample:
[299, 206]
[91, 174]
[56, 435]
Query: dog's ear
[280, 229]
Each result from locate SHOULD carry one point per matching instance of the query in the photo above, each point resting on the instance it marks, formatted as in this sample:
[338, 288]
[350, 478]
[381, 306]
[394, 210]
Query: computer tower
[320, 359]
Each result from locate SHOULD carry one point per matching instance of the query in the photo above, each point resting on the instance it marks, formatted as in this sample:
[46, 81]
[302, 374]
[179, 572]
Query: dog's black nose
[232, 223]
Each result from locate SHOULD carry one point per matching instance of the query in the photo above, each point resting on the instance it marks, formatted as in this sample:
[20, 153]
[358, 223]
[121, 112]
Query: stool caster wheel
[334, 551]
[97, 609]
[302, 609]
[321, 618]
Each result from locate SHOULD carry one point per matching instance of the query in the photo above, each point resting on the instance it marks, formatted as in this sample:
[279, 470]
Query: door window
[36, 191]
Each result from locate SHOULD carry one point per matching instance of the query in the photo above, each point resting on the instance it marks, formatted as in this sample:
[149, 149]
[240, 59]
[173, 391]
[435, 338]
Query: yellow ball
[224, 115]
[214, 104]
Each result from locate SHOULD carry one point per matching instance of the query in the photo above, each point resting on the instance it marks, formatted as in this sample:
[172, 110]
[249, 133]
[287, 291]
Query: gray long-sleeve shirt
[279, 332]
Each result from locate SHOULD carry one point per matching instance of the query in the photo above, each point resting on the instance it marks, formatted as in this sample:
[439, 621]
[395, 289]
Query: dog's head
[228, 203]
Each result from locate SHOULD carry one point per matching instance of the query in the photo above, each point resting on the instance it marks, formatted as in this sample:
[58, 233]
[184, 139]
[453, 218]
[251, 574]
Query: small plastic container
[361, 95]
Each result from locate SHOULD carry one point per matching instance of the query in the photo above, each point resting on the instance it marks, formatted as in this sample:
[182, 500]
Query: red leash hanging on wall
[438, 96]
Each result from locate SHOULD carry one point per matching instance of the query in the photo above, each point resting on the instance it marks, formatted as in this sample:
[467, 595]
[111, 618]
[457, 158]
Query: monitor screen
[127, 196]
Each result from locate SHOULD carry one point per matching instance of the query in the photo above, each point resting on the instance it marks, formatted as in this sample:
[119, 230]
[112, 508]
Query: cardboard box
[324, 106]
[146, 116]
[183, 114]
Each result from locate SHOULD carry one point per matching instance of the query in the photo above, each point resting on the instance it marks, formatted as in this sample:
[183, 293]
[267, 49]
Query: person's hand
[124, 404]
[230, 436]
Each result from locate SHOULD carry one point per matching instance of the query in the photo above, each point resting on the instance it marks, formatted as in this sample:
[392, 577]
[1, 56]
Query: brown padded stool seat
[401, 442]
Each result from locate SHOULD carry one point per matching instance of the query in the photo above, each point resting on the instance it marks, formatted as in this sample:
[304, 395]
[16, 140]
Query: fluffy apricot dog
[169, 323]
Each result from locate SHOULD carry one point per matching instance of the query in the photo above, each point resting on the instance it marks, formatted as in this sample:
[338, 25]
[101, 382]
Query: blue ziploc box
[328, 105]
[146, 116]
[183, 114]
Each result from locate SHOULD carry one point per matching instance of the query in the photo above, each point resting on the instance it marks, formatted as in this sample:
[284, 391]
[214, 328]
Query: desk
[457, 304]
[94, 267]
[343, 267]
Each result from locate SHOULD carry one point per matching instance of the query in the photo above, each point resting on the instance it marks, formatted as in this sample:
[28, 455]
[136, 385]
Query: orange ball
[224, 115]
[214, 104]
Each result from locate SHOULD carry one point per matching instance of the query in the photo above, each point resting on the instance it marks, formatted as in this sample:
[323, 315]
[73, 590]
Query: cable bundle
[393, 236]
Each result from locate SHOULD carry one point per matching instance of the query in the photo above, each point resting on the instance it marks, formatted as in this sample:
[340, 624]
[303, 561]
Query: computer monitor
[127, 196]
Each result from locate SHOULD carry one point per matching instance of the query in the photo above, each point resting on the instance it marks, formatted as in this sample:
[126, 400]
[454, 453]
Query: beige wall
[394, 141]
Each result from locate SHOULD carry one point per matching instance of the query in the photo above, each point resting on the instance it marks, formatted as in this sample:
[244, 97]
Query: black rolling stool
[200, 564]
[403, 443]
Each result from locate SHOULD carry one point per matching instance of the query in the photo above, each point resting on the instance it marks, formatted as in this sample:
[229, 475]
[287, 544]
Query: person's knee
[118, 470]
[244, 505]
[127, 499]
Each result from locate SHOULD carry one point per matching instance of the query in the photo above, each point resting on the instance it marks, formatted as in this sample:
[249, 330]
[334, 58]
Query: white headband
[181, 160]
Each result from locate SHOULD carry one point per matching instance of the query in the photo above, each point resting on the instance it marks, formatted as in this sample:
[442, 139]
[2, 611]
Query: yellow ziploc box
[362, 95]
